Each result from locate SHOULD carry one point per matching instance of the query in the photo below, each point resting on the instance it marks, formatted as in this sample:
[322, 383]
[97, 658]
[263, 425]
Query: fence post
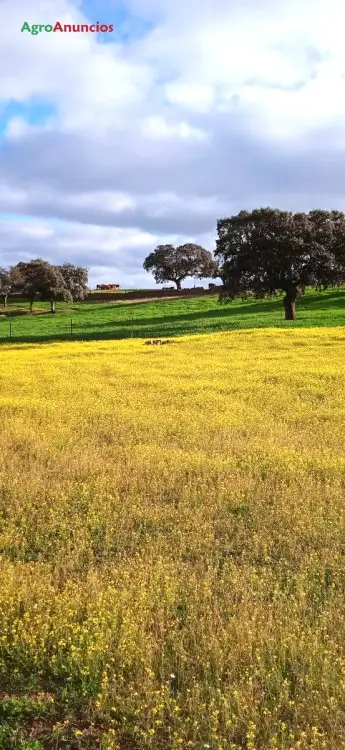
[71, 326]
[10, 330]
[131, 325]
[202, 323]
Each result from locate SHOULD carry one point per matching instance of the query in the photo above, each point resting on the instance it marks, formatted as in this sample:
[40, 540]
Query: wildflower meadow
[172, 543]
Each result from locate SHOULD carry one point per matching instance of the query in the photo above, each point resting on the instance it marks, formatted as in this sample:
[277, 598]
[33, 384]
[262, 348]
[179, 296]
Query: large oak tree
[266, 251]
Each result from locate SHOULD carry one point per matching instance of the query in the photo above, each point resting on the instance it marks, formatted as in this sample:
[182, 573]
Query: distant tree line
[261, 253]
[258, 254]
[39, 280]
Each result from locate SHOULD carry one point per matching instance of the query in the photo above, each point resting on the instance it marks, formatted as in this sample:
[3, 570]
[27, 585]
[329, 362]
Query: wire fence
[129, 327]
[11, 331]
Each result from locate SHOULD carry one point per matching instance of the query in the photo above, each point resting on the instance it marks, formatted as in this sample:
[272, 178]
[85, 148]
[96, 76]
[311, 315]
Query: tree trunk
[178, 284]
[290, 305]
[52, 306]
[5, 300]
[31, 304]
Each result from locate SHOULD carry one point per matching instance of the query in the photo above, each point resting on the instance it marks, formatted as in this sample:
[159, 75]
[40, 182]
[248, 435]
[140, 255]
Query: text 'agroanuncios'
[36, 28]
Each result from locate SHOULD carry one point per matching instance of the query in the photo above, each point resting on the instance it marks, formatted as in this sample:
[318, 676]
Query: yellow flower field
[172, 541]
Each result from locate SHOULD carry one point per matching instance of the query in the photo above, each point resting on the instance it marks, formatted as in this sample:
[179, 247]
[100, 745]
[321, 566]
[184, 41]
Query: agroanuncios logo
[36, 28]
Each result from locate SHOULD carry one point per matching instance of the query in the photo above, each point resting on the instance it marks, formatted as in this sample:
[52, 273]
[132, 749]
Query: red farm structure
[108, 286]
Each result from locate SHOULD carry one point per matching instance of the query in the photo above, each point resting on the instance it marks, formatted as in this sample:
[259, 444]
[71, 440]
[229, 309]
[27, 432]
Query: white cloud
[110, 201]
[221, 105]
[198, 97]
[158, 127]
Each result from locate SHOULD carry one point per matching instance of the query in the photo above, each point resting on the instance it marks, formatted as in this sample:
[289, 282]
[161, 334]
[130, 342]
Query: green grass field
[164, 318]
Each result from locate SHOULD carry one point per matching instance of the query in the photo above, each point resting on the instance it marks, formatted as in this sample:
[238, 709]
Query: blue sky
[128, 26]
[34, 113]
[189, 111]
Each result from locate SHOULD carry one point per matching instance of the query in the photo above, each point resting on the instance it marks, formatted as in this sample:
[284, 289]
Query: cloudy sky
[189, 111]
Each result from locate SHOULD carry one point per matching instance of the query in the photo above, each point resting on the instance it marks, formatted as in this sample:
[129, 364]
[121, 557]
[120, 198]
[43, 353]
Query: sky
[189, 111]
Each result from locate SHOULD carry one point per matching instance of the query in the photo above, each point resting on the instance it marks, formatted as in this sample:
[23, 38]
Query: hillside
[172, 543]
[117, 320]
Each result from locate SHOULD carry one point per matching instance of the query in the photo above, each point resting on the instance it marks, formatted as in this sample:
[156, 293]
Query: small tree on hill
[5, 284]
[267, 250]
[22, 274]
[43, 281]
[17, 278]
[11, 280]
[75, 280]
[167, 263]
